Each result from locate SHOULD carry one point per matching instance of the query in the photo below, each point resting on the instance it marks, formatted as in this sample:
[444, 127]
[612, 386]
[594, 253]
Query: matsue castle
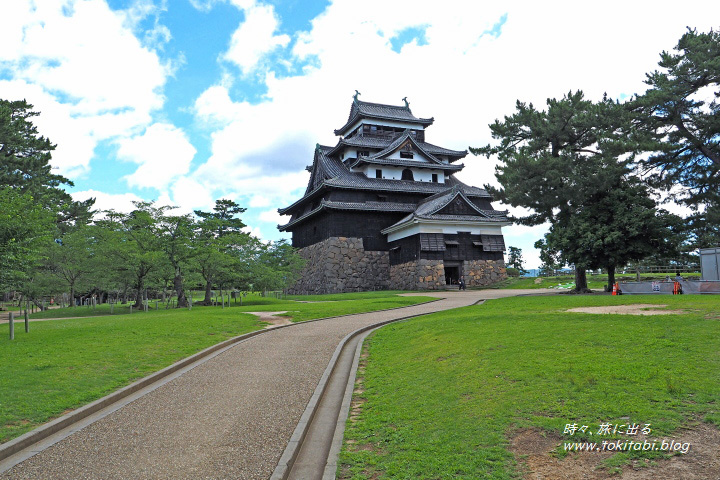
[383, 209]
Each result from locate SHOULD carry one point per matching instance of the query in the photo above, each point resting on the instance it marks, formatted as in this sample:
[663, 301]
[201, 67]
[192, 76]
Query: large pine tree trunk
[179, 290]
[581, 285]
[611, 278]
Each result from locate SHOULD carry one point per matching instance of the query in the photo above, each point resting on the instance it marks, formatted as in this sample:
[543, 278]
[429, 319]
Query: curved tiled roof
[329, 172]
[381, 157]
[383, 143]
[427, 210]
[381, 111]
[362, 206]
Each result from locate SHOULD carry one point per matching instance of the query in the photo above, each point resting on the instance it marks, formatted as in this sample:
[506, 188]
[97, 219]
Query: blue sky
[188, 101]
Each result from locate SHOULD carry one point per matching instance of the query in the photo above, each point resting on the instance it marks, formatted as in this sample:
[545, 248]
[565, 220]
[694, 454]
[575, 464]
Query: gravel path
[230, 417]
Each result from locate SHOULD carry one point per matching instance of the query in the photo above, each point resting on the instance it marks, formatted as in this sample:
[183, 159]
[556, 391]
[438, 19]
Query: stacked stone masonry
[418, 275]
[483, 272]
[341, 264]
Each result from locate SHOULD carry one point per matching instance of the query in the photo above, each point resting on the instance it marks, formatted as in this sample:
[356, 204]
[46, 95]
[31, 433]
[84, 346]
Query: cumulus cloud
[107, 201]
[259, 201]
[163, 153]
[254, 231]
[468, 70]
[255, 37]
[272, 216]
[73, 61]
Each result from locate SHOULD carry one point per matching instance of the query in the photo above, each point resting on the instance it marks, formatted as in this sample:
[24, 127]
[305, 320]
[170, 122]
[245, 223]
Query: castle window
[434, 178]
[493, 243]
[407, 174]
[378, 173]
[382, 198]
[406, 154]
[363, 153]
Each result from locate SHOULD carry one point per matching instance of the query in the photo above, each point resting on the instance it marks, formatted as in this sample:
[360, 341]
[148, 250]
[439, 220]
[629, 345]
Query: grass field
[442, 395]
[595, 282]
[64, 364]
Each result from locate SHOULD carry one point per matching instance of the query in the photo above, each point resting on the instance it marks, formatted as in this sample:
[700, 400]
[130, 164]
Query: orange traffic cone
[615, 289]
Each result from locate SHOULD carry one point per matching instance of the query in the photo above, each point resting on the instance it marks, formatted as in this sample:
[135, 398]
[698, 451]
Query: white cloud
[254, 231]
[78, 61]
[272, 216]
[163, 152]
[464, 76]
[255, 37]
[259, 201]
[106, 201]
[204, 5]
[190, 195]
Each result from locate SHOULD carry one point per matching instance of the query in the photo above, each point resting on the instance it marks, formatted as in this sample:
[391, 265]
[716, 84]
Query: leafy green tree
[177, 234]
[615, 227]
[219, 238]
[74, 258]
[130, 243]
[277, 265]
[551, 263]
[566, 164]
[25, 228]
[704, 226]
[515, 259]
[25, 165]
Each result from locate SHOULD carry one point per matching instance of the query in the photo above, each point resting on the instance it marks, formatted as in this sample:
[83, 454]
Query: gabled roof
[399, 142]
[381, 157]
[428, 209]
[379, 111]
[437, 202]
[382, 143]
[329, 172]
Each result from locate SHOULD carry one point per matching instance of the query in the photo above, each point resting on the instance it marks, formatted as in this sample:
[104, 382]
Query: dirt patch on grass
[536, 450]
[270, 318]
[638, 309]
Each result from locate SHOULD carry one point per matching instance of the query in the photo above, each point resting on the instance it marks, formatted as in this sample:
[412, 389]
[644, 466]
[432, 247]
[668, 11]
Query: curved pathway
[229, 417]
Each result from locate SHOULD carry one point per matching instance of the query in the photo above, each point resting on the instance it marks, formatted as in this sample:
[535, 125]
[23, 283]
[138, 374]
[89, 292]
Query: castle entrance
[452, 274]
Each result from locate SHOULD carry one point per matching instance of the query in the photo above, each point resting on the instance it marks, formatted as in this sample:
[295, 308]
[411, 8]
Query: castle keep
[383, 209]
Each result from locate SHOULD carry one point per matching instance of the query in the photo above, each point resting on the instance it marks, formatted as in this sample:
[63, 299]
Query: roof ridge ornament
[357, 94]
[407, 104]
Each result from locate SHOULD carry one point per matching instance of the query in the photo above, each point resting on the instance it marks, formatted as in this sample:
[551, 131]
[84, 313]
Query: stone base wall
[418, 275]
[341, 264]
[483, 272]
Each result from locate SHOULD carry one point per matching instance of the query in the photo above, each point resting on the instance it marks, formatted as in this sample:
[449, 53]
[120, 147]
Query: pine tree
[564, 164]
[681, 113]
[25, 165]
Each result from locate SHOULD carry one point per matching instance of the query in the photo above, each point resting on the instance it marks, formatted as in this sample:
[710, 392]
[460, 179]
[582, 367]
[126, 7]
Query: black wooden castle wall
[409, 249]
[346, 223]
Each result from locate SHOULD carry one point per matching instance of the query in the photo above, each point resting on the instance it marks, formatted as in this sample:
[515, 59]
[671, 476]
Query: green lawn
[442, 394]
[64, 364]
[595, 282]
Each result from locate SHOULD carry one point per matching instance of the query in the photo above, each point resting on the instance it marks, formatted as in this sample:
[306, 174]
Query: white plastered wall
[448, 229]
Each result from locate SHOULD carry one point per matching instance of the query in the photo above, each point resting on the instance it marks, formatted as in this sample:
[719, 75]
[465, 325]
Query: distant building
[383, 209]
